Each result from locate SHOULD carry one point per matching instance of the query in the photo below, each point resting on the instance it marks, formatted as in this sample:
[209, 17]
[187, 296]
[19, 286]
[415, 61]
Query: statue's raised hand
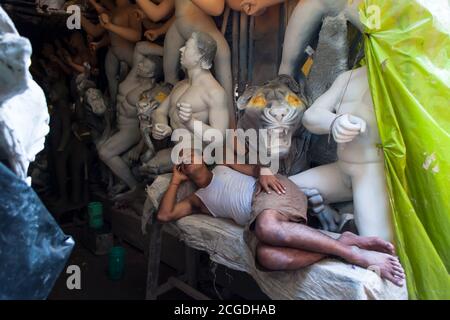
[161, 131]
[184, 111]
[347, 127]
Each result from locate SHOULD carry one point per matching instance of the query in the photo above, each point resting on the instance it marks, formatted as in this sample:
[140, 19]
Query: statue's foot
[117, 189]
[386, 266]
[367, 243]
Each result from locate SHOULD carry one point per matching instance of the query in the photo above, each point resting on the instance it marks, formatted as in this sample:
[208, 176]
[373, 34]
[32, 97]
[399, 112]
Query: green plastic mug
[116, 264]
[95, 211]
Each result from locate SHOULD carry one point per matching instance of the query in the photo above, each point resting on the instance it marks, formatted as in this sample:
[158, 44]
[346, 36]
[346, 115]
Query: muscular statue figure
[359, 173]
[193, 16]
[124, 30]
[141, 78]
[198, 98]
[80, 55]
[305, 21]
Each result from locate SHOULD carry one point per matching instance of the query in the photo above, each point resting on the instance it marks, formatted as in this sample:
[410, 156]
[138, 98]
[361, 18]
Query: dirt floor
[95, 284]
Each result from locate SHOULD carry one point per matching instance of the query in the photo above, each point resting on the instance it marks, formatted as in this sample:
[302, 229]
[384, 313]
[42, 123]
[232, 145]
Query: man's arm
[212, 8]
[169, 210]
[156, 12]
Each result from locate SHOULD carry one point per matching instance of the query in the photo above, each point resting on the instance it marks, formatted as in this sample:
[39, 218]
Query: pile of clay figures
[124, 85]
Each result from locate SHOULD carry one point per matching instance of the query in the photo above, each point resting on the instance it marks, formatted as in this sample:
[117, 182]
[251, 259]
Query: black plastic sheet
[33, 248]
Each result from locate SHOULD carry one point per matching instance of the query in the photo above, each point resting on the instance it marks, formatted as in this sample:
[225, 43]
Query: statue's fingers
[350, 123]
[315, 200]
[345, 131]
[309, 192]
[318, 209]
[185, 105]
[186, 108]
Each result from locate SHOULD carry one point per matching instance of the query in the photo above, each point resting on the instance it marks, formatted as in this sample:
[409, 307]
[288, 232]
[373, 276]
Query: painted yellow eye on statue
[293, 101]
[259, 101]
[160, 97]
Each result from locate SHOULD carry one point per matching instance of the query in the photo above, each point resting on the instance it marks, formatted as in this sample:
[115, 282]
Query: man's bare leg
[274, 230]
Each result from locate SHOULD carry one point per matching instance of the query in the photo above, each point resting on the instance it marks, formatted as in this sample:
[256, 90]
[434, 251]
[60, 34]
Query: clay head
[200, 50]
[94, 98]
[277, 107]
[15, 53]
[146, 68]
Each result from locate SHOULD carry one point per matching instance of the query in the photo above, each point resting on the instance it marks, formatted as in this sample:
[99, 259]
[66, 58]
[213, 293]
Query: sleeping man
[277, 219]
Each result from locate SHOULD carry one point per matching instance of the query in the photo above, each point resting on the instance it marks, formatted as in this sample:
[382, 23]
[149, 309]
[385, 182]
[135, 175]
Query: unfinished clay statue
[304, 23]
[124, 30]
[193, 16]
[200, 97]
[98, 117]
[140, 79]
[359, 173]
[150, 101]
[80, 55]
[23, 109]
[278, 107]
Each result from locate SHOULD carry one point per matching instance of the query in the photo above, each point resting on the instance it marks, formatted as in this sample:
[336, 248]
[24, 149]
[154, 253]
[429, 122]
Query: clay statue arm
[160, 115]
[320, 116]
[253, 7]
[104, 41]
[219, 117]
[146, 48]
[153, 34]
[76, 67]
[131, 33]
[212, 8]
[61, 64]
[98, 7]
[92, 29]
[156, 12]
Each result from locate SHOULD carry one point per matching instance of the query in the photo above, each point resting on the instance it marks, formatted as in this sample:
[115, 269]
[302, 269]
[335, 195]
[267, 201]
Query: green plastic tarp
[407, 46]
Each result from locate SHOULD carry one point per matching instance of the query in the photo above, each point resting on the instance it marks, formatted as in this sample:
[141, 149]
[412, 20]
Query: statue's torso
[120, 17]
[193, 95]
[358, 102]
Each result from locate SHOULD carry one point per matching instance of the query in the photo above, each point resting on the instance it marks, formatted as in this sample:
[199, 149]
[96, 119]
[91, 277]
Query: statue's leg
[352, 14]
[329, 180]
[370, 199]
[222, 66]
[112, 149]
[304, 22]
[111, 70]
[172, 44]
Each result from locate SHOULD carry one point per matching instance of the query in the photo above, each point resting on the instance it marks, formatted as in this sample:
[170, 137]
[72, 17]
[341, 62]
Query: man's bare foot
[388, 266]
[367, 243]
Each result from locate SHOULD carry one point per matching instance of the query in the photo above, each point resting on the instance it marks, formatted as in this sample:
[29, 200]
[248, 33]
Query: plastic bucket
[95, 211]
[116, 265]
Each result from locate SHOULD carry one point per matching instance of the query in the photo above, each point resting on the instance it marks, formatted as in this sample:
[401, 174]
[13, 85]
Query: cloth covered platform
[329, 279]
[223, 240]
